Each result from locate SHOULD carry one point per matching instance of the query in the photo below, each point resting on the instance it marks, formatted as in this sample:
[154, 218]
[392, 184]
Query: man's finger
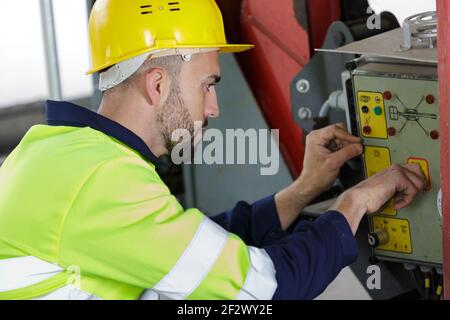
[345, 154]
[407, 189]
[404, 201]
[336, 132]
[415, 174]
[414, 167]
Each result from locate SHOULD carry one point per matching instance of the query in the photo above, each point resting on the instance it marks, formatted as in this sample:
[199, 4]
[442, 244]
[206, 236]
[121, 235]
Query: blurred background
[24, 73]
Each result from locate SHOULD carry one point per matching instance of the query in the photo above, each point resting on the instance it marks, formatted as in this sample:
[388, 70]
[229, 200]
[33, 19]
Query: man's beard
[174, 116]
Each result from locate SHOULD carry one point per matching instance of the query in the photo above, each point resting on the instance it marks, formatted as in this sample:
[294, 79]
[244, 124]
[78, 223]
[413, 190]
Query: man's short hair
[172, 64]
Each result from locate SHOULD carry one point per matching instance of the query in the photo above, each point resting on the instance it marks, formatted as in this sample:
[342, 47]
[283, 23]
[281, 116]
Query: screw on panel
[303, 86]
[304, 113]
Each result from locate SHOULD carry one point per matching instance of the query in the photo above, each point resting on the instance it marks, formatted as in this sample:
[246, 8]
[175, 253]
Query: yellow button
[423, 163]
[376, 160]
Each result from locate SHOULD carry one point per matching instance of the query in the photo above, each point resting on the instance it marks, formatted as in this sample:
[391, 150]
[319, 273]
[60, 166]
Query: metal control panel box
[397, 116]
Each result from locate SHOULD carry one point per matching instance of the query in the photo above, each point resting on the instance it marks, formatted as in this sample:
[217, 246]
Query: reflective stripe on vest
[198, 259]
[195, 263]
[18, 274]
[191, 269]
[261, 282]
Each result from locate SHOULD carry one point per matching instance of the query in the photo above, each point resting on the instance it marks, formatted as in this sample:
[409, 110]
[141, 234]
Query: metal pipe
[97, 95]
[51, 49]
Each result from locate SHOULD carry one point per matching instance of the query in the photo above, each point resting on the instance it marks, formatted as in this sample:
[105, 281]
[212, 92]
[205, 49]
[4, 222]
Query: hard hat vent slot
[174, 4]
[146, 7]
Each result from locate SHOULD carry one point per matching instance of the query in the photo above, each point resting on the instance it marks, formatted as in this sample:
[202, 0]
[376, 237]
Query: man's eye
[209, 86]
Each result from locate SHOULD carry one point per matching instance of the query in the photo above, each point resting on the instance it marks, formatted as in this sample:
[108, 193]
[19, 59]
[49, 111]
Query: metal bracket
[319, 78]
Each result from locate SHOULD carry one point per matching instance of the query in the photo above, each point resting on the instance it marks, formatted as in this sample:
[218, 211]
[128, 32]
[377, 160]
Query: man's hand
[401, 183]
[326, 151]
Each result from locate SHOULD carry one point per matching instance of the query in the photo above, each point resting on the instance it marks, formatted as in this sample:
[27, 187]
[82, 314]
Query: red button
[367, 130]
[434, 134]
[430, 99]
[387, 95]
[391, 131]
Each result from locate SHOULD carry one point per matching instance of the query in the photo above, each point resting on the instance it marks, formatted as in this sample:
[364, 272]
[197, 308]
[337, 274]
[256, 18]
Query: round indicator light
[378, 111]
[434, 134]
[392, 131]
[367, 130]
[430, 99]
[387, 95]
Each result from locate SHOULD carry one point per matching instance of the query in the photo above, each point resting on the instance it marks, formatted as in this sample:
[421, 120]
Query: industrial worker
[84, 215]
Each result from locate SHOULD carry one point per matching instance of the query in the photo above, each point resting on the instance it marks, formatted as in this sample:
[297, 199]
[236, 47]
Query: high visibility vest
[84, 216]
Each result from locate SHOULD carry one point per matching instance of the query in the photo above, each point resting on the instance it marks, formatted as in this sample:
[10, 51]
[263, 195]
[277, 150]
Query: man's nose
[212, 107]
[214, 111]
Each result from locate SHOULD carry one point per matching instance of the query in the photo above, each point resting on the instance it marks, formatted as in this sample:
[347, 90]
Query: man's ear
[157, 86]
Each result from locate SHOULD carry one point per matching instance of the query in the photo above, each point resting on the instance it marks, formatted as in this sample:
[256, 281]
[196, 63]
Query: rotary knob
[378, 238]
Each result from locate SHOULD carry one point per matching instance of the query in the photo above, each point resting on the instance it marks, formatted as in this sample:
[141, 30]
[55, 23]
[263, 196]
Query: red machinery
[443, 10]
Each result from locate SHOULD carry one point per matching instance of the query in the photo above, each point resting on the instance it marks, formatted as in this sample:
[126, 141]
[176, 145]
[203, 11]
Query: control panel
[397, 116]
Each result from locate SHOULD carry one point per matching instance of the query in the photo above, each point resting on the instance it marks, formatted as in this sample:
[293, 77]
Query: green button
[378, 111]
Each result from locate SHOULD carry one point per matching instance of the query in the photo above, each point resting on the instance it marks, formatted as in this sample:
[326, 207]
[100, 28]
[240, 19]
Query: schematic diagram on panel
[415, 114]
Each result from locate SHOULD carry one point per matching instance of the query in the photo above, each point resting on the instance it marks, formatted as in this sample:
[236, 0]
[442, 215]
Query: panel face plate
[399, 233]
[410, 108]
[372, 114]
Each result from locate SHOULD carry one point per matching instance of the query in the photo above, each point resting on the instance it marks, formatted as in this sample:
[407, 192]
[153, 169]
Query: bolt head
[304, 113]
[302, 86]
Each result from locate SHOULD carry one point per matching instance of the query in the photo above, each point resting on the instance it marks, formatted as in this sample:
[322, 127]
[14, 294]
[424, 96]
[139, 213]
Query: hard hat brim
[228, 48]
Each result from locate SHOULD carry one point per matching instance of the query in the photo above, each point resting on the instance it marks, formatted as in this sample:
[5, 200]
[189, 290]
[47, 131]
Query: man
[84, 215]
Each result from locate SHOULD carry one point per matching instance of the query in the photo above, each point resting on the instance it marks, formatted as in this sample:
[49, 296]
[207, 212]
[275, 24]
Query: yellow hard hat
[122, 29]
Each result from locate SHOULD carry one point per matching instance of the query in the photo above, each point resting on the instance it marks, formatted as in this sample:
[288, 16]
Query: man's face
[192, 98]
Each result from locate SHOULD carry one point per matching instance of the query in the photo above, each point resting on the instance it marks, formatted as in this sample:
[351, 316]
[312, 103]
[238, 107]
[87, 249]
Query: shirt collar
[71, 115]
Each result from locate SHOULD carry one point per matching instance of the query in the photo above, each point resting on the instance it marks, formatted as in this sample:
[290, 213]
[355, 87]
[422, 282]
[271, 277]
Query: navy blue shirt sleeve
[257, 224]
[309, 259]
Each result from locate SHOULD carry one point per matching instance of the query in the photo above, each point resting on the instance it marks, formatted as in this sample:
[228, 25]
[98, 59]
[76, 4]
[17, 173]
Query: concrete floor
[345, 287]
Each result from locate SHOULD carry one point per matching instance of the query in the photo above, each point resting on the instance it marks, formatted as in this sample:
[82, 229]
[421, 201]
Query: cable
[337, 100]
[427, 285]
[440, 288]
[418, 279]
